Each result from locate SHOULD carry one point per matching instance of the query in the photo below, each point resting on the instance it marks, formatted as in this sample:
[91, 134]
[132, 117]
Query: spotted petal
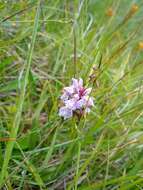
[65, 112]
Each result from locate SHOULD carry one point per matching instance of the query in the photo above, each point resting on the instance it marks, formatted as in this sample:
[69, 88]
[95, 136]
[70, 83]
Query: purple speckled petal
[87, 110]
[80, 82]
[90, 102]
[77, 84]
[80, 104]
[65, 112]
[87, 91]
[64, 97]
[69, 90]
[71, 104]
[76, 96]
[74, 82]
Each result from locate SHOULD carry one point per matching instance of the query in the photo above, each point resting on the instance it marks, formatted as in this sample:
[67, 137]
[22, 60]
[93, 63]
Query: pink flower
[65, 112]
[75, 98]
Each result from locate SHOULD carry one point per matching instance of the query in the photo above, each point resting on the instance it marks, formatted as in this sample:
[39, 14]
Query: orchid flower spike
[76, 100]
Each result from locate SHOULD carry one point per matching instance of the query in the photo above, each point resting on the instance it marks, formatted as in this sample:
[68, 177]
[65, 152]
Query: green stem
[78, 164]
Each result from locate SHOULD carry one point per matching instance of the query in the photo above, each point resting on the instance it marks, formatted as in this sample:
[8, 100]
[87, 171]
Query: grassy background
[43, 44]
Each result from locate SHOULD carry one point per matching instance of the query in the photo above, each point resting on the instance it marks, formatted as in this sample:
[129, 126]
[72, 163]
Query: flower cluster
[76, 99]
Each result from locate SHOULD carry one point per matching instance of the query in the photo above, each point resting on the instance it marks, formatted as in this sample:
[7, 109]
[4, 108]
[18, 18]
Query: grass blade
[17, 119]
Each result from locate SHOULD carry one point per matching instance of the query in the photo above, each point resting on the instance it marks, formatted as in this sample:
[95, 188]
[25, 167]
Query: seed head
[110, 12]
[140, 45]
[134, 8]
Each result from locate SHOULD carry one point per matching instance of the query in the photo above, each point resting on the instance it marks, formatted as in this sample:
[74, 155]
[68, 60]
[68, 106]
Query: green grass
[44, 44]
